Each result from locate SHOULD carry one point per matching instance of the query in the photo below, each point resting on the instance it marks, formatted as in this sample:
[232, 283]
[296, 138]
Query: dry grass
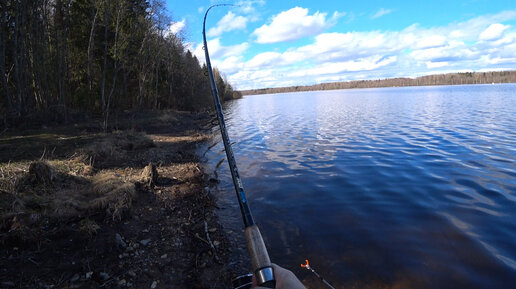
[38, 180]
[168, 116]
[113, 194]
[69, 188]
[9, 174]
[115, 148]
[119, 141]
[81, 182]
[35, 192]
[88, 226]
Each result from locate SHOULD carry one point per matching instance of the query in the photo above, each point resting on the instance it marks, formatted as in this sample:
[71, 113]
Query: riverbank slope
[127, 209]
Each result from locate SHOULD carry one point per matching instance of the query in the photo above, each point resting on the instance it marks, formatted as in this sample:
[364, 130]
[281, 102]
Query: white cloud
[200, 10]
[231, 65]
[495, 60]
[331, 78]
[364, 64]
[472, 28]
[431, 41]
[493, 32]
[264, 59]
[248, 6]
[229, 22]
[218, 52]
[430, 64]
[177, 27]
[381, 12]
[453, 51]
[294, 24]
[347, 46]
[339, 56]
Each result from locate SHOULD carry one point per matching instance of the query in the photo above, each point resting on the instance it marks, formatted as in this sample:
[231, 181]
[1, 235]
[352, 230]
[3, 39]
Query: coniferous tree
[95, 56]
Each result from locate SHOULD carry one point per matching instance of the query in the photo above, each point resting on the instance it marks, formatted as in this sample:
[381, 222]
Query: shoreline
[167, 235]
[458, 78]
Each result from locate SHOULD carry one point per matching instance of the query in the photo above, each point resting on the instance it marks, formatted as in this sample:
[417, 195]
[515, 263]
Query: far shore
[428, 80]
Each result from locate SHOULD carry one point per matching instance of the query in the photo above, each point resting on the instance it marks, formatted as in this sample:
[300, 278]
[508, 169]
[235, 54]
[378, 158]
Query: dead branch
[209, 240]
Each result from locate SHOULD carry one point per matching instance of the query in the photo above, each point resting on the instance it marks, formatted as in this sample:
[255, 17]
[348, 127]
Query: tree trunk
[35, 62]
[16, 58]
[90, 46]
[115, 72]
[124, 87]
[156, 88]
[142, 77]
[141, 83]
[3, 44]
[44, 45]
[66, 72]
[104, 69]
[57, 27]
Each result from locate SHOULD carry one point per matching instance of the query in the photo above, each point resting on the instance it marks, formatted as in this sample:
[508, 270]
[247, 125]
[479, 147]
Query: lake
[411, 187]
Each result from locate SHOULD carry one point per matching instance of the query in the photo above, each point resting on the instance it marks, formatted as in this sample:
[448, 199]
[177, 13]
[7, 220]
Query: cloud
[471, 29]
[431, 65]
[248, 6]
[493, 32]
[294, 24]
[342, 56]
[200, 10]
[218, 52]
[430, 41]
[339, 47]
[229, 22]
[264, 59]
[381, 12]
[453, 51]
[177, 27]
[230, 65]
[363, 64]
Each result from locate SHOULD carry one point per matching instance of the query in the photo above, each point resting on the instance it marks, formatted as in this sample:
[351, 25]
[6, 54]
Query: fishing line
[308, 267]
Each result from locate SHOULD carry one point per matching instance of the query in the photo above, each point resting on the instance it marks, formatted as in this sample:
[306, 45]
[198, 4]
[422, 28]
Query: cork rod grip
[259, 256]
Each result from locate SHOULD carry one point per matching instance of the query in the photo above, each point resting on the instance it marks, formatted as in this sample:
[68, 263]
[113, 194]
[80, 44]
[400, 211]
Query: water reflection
[381, 188]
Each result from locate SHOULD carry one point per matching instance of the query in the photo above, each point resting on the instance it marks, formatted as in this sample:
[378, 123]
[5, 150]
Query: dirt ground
[128, 209]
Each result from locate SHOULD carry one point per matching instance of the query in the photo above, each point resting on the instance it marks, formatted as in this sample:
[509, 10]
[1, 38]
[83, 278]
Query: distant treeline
[439, 79]
[95, 56]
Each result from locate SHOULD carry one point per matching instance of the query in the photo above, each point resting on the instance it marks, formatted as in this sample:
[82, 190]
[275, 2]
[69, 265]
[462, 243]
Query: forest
[95, 56]
[102, 112]
[437, 79]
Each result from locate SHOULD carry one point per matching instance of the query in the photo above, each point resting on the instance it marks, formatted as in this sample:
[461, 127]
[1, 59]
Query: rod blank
[259, 256]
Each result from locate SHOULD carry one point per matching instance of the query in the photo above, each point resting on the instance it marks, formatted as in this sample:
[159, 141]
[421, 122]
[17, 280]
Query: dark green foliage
[94, 56]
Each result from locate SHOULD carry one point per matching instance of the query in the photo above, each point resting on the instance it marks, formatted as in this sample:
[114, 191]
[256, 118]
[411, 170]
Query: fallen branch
[44, 152]
[200, 238]
[209, 240]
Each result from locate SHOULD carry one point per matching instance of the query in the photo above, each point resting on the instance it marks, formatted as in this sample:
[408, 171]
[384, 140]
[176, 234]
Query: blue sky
[265, 43]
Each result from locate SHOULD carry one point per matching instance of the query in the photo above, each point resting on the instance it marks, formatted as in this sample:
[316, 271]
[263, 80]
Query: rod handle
[260, 261]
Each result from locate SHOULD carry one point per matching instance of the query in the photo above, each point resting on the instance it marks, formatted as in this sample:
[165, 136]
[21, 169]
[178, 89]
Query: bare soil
[127, 209]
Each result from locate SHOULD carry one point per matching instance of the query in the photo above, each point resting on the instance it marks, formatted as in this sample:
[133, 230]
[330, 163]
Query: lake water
[410, 187]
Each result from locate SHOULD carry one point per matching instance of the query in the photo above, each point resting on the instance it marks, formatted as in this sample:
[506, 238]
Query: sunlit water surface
[379, 188]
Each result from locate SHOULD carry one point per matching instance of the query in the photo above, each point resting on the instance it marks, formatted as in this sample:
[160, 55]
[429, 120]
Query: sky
[265, 43]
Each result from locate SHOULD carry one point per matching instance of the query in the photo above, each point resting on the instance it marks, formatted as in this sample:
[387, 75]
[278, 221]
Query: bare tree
[104, 69]
[3, 44]
[91, 44]
[115, 68]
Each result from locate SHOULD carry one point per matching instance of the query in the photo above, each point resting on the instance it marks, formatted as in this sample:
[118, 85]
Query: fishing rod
[307, 266]
[259, 256]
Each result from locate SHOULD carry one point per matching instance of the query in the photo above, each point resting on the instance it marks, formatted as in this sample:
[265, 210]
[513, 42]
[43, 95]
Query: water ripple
[382, 183]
